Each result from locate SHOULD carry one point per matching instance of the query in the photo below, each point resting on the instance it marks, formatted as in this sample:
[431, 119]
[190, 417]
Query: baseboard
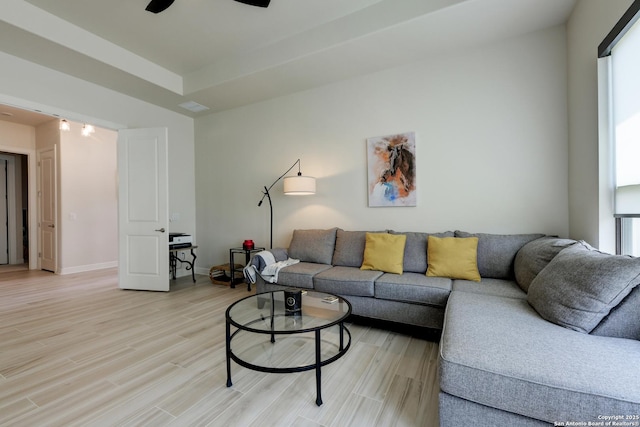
[202, 270]
[89, 267]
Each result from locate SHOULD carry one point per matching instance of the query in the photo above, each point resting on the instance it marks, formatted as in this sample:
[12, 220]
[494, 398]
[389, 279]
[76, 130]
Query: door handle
[160, 230]
[51, 226]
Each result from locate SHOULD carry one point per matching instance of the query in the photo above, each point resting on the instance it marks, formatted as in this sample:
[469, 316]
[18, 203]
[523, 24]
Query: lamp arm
[265, 193]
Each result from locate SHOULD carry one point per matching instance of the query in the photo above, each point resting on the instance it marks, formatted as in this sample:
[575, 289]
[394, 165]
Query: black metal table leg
[228, 337]
[193, 264]
[247, 258]
[318, 367]
[174, 259]
[273, 302]
[232, 272]
[173, 264]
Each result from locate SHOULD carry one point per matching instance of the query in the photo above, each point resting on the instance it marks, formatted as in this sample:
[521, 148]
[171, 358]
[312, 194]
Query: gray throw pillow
[313, 245]
[581, 285]
[349, 250]
[497, 252]
[415, 250]
[534, 256]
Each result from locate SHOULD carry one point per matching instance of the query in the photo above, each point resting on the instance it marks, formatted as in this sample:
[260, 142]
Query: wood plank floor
[77, 351]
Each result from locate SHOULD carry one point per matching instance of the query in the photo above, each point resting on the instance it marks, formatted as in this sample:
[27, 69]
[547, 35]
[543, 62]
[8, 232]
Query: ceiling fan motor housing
[259, 3]
[157, 6]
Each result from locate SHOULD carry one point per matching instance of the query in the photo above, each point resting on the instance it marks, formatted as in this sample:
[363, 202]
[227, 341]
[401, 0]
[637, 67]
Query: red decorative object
[248, 245]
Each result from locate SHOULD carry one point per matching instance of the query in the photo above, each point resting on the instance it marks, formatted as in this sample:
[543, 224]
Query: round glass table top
[266, 312]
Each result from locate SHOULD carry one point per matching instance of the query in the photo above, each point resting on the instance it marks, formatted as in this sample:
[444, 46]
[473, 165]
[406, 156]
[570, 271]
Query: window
[628, 232]
[621, 49]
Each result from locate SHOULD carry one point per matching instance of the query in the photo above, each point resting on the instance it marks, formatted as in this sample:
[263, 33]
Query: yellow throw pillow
[453, 257]
[384, 252]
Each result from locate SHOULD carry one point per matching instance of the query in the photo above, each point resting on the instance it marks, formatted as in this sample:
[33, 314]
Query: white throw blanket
[270, 272]
[267, 257]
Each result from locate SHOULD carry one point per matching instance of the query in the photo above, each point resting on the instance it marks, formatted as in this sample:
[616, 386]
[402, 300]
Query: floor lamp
[293, 186]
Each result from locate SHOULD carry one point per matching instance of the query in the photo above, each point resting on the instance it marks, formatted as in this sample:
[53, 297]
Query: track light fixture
[87, 130]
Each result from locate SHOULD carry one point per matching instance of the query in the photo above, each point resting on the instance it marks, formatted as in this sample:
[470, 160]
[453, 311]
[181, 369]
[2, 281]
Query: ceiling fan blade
[157, 6]
[259, 3]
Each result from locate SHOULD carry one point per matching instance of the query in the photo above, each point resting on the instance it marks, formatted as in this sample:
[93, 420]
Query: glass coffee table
[268, 338]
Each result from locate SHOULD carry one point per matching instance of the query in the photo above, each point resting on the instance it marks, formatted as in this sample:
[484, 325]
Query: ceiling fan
[157, 6]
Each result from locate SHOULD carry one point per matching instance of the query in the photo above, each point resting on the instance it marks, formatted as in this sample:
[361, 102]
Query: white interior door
[4, 232]
[47, 201]
[143, 209]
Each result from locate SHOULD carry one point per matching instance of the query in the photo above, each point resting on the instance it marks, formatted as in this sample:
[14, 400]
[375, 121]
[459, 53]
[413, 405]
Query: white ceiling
[224, 54]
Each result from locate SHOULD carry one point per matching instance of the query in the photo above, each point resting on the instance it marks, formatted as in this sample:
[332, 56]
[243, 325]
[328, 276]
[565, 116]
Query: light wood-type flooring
[77, 351]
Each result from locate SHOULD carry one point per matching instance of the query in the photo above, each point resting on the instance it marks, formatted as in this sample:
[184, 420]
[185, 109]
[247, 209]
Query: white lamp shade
[299, 185]
[628, 200]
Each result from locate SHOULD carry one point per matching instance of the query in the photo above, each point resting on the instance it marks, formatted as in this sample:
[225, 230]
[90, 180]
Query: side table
[174, 258]
[247, 257]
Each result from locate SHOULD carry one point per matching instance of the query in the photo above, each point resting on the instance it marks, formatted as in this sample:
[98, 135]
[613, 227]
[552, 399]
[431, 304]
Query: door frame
[33, 203]
[13, 255]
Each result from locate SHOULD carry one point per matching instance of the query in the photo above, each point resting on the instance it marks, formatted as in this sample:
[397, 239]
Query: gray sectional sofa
[549, 336]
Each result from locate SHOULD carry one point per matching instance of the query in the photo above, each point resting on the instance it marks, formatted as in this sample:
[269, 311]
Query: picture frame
[391, 170]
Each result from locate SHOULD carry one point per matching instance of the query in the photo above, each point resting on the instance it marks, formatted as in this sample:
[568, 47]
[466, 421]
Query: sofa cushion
[346, 281]
[414, 288]
[499, 353]
[534, 256]
[581, 285]
[383, 252]
[313, 245]
[453, 257]
[349, 249]
[623, 321]
[300, 275]
[497, 287]
[497, 252]
[415, 250]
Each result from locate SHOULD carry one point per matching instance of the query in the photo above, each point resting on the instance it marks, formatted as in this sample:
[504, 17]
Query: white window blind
[625, 84]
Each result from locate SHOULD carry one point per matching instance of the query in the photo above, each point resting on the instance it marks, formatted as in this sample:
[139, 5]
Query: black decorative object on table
[292, 302]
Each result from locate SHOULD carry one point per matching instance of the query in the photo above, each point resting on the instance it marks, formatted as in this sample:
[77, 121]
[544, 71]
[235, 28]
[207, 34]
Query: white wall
[588, 25]
[88, 200]
[16, 136]
[25, 83]
[491, 129]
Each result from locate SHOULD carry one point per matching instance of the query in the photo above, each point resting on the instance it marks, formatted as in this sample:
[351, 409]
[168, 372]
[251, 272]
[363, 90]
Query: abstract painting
[392, 170]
